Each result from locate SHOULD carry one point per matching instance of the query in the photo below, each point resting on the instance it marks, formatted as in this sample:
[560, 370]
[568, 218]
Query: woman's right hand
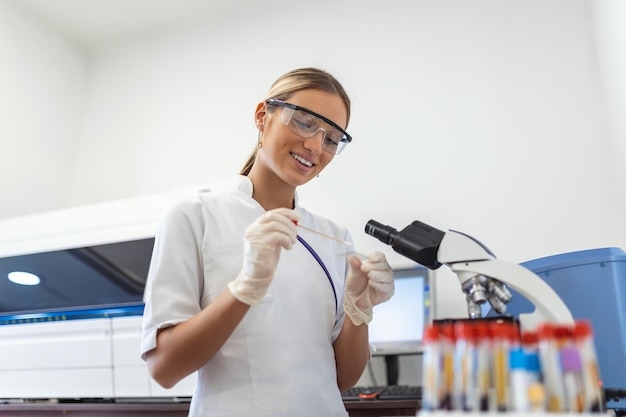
[263, 241]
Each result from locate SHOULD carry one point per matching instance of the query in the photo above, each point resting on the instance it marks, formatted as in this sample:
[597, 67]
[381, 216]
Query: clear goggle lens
[307, 125]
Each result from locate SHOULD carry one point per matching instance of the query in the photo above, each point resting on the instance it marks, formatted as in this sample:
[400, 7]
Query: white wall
[41, 85]
[486, 117]
[608, 19]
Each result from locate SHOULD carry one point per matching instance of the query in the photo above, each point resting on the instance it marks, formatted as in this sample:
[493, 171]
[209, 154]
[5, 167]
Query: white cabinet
[131, 377]
[130, 374]
[56, 360]
[90, 358]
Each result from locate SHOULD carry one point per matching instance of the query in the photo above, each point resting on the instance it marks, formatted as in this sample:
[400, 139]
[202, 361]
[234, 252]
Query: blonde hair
[298, 80]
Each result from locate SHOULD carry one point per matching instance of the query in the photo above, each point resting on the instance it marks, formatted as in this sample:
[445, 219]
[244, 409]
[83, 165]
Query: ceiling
[92, 22]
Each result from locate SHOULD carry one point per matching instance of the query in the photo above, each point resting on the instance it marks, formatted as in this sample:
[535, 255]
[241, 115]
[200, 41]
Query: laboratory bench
[368, 408]
[378, 408]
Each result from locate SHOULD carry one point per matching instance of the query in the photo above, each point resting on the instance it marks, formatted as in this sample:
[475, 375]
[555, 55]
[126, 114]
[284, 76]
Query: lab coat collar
[243, 184]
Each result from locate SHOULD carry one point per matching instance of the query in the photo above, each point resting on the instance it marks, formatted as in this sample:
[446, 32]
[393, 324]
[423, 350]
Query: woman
[237, 291]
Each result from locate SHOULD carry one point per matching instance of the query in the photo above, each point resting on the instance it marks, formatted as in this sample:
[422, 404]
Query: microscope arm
[467, 258]
[549, 306]
[475, 266]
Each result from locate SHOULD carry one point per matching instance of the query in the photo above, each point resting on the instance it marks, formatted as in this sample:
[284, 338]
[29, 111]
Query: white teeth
[301, 160]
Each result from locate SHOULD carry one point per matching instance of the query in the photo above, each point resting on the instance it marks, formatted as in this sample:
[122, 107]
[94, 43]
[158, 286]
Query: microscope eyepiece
[417, 241]
[385, 234]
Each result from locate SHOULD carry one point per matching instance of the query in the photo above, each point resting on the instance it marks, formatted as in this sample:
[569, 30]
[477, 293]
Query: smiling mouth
[302, 160]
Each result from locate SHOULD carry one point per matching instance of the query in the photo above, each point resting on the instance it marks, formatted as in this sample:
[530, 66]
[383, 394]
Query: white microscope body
[483, 278]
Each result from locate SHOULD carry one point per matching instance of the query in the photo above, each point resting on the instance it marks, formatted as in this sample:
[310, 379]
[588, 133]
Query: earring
[259, 143]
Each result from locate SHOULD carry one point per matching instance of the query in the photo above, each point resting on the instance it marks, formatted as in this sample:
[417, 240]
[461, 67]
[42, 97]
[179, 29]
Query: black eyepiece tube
[385, 234]
[418, 241]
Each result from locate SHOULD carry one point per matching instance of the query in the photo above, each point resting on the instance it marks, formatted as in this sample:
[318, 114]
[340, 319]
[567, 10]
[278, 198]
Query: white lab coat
[279, 361]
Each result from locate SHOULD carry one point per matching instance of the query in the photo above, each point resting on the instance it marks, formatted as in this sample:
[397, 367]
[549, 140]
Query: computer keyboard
[385, 392]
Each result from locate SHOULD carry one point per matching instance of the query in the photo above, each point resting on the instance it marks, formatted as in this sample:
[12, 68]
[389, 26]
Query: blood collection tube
[524, 374]
[551, 367]
[501, 336]
[483, 371]
[520, 380]
[446, 337]
[431, 369]
[536, 391]
[464, 397]
[583, 340]
[572, 379]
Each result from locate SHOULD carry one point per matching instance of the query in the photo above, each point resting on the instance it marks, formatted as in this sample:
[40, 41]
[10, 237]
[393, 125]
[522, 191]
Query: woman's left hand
[368, 284]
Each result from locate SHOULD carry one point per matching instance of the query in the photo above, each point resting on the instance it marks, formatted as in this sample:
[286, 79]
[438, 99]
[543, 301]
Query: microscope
[483, 278]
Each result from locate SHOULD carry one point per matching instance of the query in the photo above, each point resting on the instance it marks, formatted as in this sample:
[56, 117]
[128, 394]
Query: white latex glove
[263, 241]
[368, 283]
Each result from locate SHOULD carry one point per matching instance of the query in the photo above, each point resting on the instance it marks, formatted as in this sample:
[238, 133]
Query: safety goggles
[306, 124]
